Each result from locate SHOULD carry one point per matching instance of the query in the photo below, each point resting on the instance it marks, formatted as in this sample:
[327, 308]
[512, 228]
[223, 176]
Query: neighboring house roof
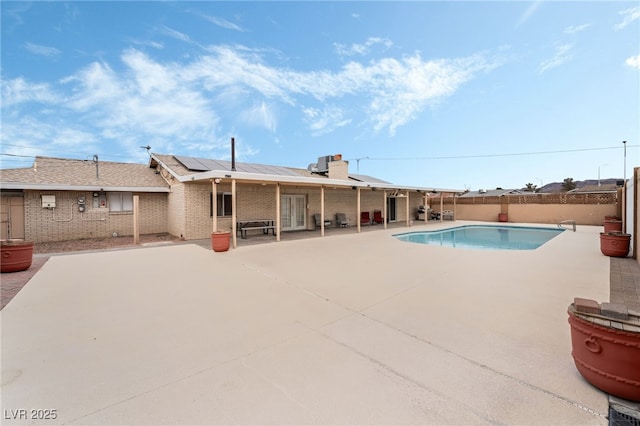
[495, 193]
[49, 173]
[186, 169]
[604, 188]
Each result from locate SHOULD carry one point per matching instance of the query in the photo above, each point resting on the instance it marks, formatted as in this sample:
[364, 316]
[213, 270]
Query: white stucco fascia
[60, 187]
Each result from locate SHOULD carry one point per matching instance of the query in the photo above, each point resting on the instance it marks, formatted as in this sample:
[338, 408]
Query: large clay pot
[220, 241]
[606, 357]
[15, 256]
[612, 225]
[615, 244]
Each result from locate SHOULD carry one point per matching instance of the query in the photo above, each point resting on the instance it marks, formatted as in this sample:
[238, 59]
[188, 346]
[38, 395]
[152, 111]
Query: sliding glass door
[293, 209]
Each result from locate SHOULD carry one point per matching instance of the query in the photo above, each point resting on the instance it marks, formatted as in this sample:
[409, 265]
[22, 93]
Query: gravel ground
[98, 243]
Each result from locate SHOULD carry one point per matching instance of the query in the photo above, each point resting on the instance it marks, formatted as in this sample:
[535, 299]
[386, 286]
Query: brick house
[289, 197]
[62, 199]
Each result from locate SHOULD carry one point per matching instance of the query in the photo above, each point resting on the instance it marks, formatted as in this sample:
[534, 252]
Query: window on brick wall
[120, 201]
[224, 204]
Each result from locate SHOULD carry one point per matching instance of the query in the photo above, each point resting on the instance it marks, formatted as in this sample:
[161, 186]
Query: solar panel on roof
[192, 163]
[205, 164]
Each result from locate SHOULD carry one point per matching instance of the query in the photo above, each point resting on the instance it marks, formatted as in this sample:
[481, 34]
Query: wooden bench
[248, 225]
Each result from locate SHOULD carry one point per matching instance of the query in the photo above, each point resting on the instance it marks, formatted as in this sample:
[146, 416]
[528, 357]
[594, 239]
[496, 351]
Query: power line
[514, 154]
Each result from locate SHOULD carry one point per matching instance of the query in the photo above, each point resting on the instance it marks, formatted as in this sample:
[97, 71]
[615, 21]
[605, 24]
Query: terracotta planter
[615, 244]
[606, 357]
[612, 225]
[15, 256]
[220, 241]
[503, 217]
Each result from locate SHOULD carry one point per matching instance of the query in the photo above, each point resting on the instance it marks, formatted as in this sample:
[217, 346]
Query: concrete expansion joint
[493, 370]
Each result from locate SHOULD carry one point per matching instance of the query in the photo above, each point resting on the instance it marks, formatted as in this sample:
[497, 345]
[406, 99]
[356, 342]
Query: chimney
[233, 154]
[338, 169]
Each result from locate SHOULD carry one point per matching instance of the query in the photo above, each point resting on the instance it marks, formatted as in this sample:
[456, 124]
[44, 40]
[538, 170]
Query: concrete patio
[348, 329]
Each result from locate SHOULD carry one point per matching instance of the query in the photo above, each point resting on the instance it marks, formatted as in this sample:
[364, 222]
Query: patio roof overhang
[258, 178]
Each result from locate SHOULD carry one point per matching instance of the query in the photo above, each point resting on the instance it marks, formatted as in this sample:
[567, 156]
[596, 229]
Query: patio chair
[447, 215]
[377, 216]
[317, 220]
[365, 219]
[342, 221]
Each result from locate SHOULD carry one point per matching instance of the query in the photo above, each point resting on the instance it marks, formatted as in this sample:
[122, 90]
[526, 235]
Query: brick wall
[259, 202]
[65, 222]
[176, 210]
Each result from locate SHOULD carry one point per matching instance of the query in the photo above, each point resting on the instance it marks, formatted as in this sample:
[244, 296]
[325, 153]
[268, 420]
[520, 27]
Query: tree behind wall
[568, 184]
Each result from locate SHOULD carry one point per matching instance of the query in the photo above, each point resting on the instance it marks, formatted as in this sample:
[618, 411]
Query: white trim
[59, 187]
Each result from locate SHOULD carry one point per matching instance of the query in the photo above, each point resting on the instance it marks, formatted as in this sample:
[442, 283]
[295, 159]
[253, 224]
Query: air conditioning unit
[323, 163]
[48, 201]
[482, 191]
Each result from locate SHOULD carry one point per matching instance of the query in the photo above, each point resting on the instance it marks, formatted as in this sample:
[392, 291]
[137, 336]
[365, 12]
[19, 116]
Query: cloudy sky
[448, 94]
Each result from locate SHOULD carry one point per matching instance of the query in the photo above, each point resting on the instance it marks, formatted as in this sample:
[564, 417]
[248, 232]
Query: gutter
[57, 187]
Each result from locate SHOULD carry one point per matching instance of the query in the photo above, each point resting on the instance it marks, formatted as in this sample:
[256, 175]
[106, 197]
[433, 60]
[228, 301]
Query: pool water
[484, 237]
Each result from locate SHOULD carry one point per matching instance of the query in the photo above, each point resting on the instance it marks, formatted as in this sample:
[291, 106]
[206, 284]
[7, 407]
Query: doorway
[12, 217]
[294, 208]
[391, 209]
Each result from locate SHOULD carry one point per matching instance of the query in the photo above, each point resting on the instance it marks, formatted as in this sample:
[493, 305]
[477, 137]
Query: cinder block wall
[65, 222]
[583, 214]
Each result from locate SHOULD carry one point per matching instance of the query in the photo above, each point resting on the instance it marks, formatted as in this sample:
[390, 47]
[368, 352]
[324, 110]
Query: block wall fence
[585, 209]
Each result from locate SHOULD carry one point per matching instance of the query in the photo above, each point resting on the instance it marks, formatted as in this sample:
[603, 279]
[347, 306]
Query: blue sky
[447, 94]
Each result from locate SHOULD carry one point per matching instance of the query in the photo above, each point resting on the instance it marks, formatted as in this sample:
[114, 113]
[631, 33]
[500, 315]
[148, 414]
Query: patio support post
[136, 219]
[384, 209]
[441, 206]
[454, 206]
[322, 211]
[408, 215]
[234, 214]
[358, 208]
[278, 212]
[214, 206]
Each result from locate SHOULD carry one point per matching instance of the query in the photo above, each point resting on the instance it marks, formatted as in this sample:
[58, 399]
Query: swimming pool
[484, 237]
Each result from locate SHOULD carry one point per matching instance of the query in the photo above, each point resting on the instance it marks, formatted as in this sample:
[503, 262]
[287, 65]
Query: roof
[495, 193]
[595, 189]
[49, 173]
[194, 169]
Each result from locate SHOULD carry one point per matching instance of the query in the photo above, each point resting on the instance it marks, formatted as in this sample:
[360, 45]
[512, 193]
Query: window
[224, 204]
[120, 201]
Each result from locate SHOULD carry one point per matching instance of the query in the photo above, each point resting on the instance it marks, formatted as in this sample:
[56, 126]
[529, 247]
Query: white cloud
[166, 104]
[574, 29]
[361, 49]
[325, 120]
[527, 14]
[19, 91]
[561, 56]
[628, 16]
[633, 62]
[175, 34]
[42, 50]
[150, 43]
[260, 115]
[223, 23]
